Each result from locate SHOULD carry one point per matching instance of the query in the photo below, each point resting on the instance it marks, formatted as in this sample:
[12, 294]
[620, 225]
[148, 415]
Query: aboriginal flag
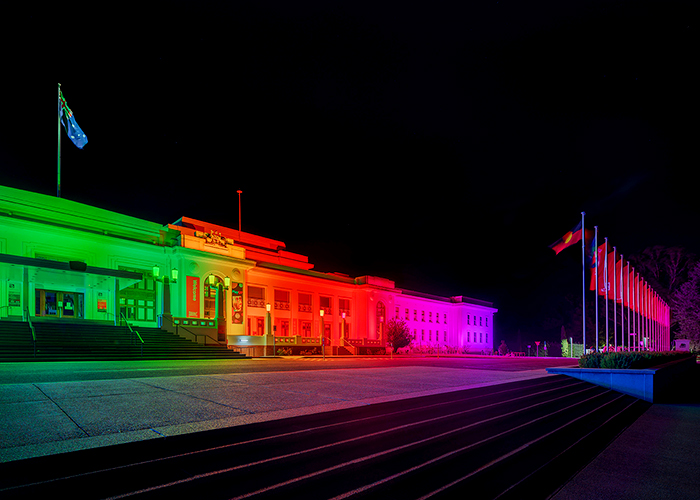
[570, 238]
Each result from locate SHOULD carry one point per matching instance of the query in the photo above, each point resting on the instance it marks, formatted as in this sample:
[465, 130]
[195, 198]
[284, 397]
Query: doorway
[52, 303]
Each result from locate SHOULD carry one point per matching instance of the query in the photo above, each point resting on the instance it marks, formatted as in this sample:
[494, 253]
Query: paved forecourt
[99, 404]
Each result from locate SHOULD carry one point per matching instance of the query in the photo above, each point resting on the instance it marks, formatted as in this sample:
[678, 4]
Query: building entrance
[52, 303]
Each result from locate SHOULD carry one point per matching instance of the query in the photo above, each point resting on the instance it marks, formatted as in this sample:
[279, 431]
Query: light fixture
[322, 313]
[174, 273]
[227, 281]
[156, 272]
[268, 307]
[212, 280]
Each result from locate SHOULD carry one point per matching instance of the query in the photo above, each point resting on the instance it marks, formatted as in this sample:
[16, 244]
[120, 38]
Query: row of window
[483, 337]
[430, 335]
[283, 300]
[430, 316]
[482, 321]
[480, 318]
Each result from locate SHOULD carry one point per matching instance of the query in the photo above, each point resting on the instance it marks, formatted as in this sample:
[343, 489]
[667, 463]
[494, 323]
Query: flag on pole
[618, 281]
[600, 261]
[75, 133]
[570, 238]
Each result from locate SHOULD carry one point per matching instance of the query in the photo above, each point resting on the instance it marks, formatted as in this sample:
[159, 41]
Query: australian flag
[72, 129]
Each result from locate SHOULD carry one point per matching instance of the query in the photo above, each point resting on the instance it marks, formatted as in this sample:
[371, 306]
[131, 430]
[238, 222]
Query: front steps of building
[59, 341]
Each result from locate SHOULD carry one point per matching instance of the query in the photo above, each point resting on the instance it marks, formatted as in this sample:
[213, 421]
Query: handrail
[353, 349]
[197, 335]
[31, 327]
[135, 333]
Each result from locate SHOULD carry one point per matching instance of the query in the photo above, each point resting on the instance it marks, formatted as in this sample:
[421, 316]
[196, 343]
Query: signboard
[192, 297]
[101, 305]
[14, 296]
[237, 303]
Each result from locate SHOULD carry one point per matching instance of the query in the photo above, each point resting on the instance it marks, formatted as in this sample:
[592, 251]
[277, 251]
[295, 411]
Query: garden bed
[629, 360]
[654, 384]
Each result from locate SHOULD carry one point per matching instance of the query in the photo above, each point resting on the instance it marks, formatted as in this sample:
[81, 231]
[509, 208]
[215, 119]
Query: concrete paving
[653, 459]
[43, 418]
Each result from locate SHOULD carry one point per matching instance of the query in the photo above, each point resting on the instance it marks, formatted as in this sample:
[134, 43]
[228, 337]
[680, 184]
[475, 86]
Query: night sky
[441, 146]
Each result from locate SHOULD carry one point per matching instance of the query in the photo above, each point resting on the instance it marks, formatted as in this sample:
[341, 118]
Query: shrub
[628, 360]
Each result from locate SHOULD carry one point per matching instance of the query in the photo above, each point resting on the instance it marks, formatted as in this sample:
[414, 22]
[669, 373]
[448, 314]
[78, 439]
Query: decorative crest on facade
[214, 238]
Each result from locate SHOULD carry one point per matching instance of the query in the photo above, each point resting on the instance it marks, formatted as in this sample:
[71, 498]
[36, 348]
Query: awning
[53, 274]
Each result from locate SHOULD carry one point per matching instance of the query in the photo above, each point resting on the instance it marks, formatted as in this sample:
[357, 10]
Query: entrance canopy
[55, 274]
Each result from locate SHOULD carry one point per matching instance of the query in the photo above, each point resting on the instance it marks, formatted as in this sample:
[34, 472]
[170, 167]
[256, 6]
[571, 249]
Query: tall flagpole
[615, 296]
[629, 309]
[583, 265]
[58, 155]
[622, 305]
[606, 284]
[597, 264]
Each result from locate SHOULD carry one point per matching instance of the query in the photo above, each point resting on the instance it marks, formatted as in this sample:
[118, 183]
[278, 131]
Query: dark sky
[443, 146]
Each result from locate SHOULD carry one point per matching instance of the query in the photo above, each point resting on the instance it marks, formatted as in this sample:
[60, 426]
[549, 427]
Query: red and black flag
[570, 238]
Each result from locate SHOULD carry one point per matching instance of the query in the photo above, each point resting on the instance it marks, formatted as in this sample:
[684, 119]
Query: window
[480, 338]
[345, 306]
[469, 337]
[422, 316]
[430, 317]
[282, 298]
[139, 300]
[415, 315]
[445, 318]
[444, 336]
[305, 302]
[430, 335]
[468, 319]
[479, 320]
[326, 304]
[487, 337]
[407, 314]
[397, 312]
[256, 296]
[487, 322]
[422, 334]
[437, 317]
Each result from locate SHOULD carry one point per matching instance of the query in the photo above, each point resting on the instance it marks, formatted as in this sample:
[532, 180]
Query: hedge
[627, 360]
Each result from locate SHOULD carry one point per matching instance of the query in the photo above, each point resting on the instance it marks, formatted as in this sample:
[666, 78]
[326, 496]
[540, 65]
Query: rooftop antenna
[239, 213]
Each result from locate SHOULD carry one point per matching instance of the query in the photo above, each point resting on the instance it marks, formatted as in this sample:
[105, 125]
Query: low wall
[657, 384]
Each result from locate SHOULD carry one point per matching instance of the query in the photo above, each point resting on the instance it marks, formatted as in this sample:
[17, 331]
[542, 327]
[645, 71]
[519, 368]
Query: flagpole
[606, 285]
[622, 305]
[58, 155]
[583, 265]
[629, 309]
[615, 296]
[597, 263]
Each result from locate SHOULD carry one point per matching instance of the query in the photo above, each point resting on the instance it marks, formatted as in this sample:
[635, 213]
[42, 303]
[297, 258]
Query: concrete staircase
[59, 341]
[521, 440]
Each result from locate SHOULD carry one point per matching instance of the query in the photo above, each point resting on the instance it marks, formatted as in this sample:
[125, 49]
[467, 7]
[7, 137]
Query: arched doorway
[215, 303]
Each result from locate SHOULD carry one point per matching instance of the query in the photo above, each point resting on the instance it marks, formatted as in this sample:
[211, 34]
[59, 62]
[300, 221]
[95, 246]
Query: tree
[398, 333]
[686, 303]
[664, 268]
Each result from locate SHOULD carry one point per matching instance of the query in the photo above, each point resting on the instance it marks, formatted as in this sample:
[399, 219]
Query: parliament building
[66, 261]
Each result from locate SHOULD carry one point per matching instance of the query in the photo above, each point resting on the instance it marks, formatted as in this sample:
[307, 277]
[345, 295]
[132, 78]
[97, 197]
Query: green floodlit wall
[38, 226]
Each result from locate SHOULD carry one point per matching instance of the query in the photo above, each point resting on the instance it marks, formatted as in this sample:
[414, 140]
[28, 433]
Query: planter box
[656, 384]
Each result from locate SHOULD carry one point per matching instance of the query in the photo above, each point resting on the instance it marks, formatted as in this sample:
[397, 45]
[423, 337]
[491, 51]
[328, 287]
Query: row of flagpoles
[647, 326]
